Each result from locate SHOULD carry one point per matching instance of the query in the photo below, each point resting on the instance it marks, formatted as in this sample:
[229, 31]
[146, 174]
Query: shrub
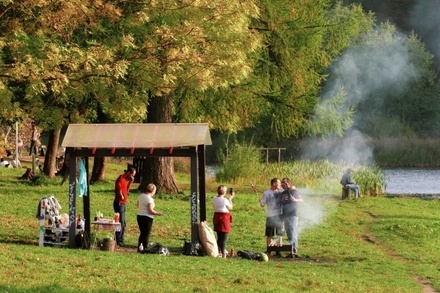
[371, 180]
[241, 161]
[182, 165]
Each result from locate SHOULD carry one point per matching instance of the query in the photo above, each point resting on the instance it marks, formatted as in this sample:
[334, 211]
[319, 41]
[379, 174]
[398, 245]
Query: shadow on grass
[48, 288]
[18, 241]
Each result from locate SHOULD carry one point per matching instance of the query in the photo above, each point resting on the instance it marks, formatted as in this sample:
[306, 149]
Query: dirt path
[367, 236]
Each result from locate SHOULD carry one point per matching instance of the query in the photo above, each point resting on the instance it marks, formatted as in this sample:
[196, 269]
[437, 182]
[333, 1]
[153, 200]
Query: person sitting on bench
[347, 182]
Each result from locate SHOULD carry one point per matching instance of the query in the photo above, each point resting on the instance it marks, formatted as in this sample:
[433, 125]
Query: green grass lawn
[374, 244]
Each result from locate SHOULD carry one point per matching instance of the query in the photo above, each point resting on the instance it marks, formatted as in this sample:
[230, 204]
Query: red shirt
[121, 184]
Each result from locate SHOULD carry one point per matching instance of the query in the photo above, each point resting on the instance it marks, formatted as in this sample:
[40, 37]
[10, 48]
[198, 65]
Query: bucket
[108, 245]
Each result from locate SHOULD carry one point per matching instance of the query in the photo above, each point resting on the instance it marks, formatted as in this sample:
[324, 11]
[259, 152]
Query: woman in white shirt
[222, 217]
[145, 215]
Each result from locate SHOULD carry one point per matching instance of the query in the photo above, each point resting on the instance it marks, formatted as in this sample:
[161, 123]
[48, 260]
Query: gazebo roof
[149, 135]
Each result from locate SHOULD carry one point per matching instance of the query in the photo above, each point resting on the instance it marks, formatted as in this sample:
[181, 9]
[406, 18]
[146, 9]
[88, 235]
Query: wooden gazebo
[138, 140]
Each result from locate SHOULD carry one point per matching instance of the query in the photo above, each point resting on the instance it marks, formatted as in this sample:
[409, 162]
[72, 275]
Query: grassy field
[374, 244]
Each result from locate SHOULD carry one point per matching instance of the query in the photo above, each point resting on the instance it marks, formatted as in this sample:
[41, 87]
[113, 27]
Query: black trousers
[145, 223]
[222, 237]
[33, 147]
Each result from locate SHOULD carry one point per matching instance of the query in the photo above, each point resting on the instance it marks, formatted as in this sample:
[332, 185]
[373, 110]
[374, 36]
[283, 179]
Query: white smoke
[354, 148]
[379, 65]
[311, 211]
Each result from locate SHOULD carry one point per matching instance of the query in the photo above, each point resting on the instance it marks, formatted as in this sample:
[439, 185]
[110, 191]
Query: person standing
[34, 138]
[348, 182]
[145, 215]
[122, 188]
[274, 222]
[289, 202]
[222, 217]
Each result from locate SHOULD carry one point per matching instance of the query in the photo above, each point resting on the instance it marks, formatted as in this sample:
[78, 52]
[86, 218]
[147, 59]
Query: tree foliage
[301, 39]
[66, 56]
[234, 64]
[312, 38]
[76, 61]
[391, 83]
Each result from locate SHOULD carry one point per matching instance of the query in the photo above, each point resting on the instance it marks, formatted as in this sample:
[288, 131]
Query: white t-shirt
[219, 203]
[272, 201]
[144, 200]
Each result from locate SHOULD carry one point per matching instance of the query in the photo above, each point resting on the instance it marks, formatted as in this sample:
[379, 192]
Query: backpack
[156, 248]
[192, 249]
[247, 254]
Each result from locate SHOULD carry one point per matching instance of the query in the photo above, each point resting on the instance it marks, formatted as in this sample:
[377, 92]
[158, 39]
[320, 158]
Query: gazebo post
[86, 202]
[202, 181]
[72, 198]
[194, 221]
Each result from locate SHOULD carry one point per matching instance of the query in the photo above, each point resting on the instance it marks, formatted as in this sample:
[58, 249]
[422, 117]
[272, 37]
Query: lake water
[413, 181]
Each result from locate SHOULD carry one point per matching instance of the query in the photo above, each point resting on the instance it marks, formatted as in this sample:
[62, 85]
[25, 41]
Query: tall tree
[303, 38]
[195, 46]
[70, 57]
[177, 58]
[53, 66]
[277, 101]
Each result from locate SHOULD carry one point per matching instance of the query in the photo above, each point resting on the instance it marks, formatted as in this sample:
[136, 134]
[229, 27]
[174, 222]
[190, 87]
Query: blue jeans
[291, 226]
[120, 208]
[353, 187]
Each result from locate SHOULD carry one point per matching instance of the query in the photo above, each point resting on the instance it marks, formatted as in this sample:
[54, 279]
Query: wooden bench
[345, 193]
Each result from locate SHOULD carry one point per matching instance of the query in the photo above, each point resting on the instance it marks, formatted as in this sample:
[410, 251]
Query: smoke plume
[311, 211]
[378, 67]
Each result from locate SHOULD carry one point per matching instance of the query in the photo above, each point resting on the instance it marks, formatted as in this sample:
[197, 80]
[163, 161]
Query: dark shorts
[274, 226]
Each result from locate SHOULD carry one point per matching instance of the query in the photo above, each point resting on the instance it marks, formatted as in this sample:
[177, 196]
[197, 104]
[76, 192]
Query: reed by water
[245, 166]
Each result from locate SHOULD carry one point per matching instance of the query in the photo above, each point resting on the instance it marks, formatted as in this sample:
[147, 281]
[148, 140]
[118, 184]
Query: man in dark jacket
[347, 182]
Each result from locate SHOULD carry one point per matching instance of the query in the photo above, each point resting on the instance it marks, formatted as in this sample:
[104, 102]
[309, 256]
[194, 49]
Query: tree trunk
[160, 170]
[99, 163]
[50, 160]
[98, 170]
